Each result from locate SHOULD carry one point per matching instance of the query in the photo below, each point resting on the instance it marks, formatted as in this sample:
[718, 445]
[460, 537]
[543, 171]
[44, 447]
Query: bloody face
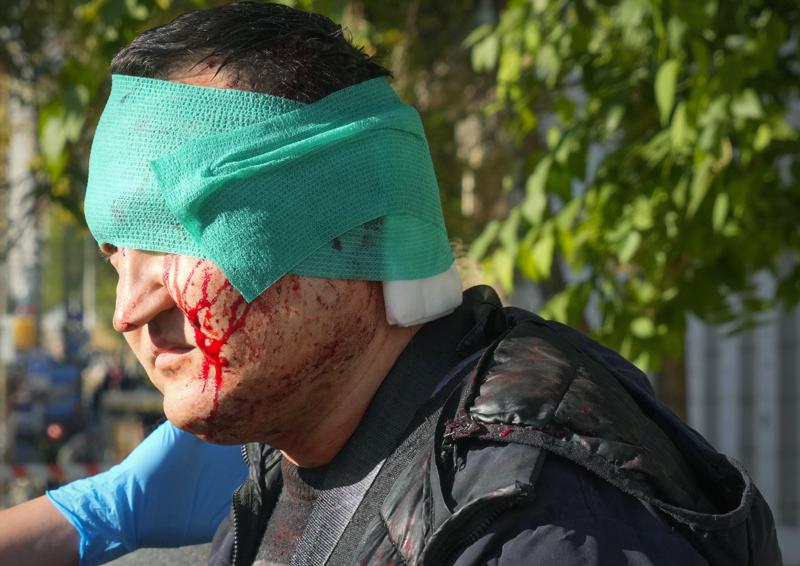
[234, 372]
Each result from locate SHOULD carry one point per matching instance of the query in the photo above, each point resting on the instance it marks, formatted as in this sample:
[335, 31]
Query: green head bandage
[264, 186]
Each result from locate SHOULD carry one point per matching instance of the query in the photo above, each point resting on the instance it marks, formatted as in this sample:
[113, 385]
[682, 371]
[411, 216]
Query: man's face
[235, 372]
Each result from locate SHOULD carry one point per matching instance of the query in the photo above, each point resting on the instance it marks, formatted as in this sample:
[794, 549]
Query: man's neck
[327, 428]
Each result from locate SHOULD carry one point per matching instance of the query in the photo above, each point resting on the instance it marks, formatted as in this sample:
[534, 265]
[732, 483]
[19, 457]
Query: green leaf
[477, 35]
[542, 253]
[535, 203]
[644, 361]
[485, 52]
[557, 307]
[669, 294]
[709, 138]
[509, 233]
[566, 217]
[631, 13]
[747, 105]
[553, 137]
[61, 122]
[676, 32]
[614, 117]
[549, 63]
[52, 141]
[716, 111]
[535, 258]
[643, 327]
[567, 146]
[502, 268]
[510, 65]
[568, 236]
[645, 291]
[657, 148]
[532, 36]
[666, 86]
[671, 219]
[720, 212]
[679, 128]
[642, 213]
[784, 132]
[701, 181]
[763, 137]
[481, 244]
[629, 247]
[137, 11]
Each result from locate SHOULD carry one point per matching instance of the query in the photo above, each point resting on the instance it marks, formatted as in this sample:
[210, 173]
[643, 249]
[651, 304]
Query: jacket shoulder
[541, 388]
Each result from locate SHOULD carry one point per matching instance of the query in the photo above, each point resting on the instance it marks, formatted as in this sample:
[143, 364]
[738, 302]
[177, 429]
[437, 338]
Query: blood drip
[211, 347]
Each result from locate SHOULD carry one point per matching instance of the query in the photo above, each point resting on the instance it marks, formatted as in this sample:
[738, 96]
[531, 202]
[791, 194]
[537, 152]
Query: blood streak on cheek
[200, 317]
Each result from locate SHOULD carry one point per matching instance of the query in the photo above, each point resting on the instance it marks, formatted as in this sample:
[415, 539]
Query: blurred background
[630, 167]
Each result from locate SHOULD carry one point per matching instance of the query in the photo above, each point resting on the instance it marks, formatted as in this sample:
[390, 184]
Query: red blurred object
[55, 431]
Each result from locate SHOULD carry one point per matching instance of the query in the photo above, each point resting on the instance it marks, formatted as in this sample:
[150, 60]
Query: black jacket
[553, 450]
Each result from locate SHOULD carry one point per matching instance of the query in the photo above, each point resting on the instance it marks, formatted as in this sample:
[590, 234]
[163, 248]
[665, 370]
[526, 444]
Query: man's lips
[173, 350]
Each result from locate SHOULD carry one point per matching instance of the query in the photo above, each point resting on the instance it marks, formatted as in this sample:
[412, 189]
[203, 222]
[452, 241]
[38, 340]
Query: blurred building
[743, 395]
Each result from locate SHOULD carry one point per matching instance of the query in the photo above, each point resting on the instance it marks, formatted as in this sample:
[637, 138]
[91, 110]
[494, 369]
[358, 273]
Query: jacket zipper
[484, 525]
[235, 554]
[473, 535]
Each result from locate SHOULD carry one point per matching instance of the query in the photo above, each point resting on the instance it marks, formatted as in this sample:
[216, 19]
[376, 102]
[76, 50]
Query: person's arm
[36, 533]
[172, 490]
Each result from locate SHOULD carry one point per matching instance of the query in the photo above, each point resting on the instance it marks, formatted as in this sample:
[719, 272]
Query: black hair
[264, 47]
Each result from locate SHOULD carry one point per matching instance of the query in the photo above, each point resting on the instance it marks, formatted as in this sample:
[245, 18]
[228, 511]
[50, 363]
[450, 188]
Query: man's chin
[203, 428]
[217, 438]
[189, 418]
[212, 437]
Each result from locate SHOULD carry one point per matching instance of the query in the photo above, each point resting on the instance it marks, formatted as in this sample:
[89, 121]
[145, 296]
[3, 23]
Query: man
[284, 279]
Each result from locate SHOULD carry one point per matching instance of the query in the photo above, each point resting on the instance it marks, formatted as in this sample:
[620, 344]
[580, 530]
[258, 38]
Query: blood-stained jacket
[552, 450]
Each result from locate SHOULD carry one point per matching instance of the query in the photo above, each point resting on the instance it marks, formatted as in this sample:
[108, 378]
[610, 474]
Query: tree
[62, 50]
[668, 173]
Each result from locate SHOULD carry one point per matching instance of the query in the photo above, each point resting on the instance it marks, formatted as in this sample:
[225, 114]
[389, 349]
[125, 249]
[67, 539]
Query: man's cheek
[134, 341]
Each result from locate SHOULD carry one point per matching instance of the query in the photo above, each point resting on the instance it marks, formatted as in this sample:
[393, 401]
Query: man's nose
[141, 294]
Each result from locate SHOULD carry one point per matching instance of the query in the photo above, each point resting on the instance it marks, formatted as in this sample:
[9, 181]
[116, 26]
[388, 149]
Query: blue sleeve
[172, 490]
[578, 519]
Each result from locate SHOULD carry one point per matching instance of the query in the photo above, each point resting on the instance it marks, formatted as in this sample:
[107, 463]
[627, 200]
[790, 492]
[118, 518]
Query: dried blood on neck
[200, 317]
